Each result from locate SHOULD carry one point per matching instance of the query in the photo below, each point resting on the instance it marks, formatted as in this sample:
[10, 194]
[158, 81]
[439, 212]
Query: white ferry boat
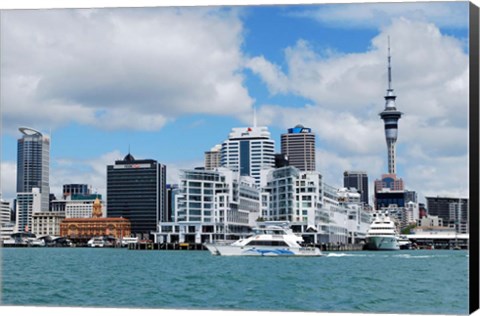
[269, 239]
[24, 239]
[382, 234]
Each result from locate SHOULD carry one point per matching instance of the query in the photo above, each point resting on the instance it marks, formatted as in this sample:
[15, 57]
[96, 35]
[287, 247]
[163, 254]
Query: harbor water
[419, 282]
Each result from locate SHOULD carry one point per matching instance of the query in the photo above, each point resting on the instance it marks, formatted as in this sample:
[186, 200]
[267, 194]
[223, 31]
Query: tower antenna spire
[389, 66]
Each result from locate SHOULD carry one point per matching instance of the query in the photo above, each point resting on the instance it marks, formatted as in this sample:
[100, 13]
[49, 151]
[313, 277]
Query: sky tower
[390, 117]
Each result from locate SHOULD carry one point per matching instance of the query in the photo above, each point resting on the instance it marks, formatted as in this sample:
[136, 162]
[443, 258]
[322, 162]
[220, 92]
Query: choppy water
[424, 282]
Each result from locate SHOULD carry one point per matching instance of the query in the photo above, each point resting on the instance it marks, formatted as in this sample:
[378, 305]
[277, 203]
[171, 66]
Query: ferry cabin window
[278, 243]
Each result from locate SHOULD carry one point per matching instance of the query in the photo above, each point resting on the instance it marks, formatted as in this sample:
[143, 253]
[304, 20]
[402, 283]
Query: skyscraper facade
[248, 151]
[390, 117]
[136, 190]
[359, 181]
[33, 164]
[212, 157]
[299, 146]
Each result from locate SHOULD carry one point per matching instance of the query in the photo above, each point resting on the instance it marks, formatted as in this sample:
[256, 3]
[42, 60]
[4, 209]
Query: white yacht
[269, 239]
[382, 234]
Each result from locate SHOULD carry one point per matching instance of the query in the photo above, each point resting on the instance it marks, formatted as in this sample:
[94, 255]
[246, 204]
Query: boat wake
[343, 255]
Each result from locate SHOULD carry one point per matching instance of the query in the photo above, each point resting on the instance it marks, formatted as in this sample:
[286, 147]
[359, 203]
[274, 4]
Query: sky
[169, 83]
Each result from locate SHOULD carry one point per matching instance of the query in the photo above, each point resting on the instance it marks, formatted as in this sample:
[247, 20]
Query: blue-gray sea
[406, 281]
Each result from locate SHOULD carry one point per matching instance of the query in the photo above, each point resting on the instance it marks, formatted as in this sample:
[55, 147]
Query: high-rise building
[299, 146]
[75, 189]
[359, 181]
[389, 181]
[452, 210]
[390, 116]
[33, 164]
[399, 198]
[136, 190]
[248, 151]
[212, 157]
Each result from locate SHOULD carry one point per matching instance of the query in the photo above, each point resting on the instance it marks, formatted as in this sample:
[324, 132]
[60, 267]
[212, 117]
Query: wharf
[194, 246]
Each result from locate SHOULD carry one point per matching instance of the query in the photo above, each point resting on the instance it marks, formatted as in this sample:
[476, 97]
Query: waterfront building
[6, 225]
[319, 212]
[212, 157]
[359, 217]
[430, 221]
[359, 181]
[248, 150]
[47, 223]
[211, 205]
[136, 190]
[4, 212]
[26, 205]
[80, 206]
[75, 189]
[33, 164]
[452, 210]
[390, 117]
[83, 229]
[299, 146]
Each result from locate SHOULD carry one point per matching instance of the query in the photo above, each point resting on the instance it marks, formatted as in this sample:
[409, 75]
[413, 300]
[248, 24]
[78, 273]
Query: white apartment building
[6, 225]
[211, 205]
[47, 223]
[314, 208]
[248, 150]
[77, 206]
[27, 204]
[80, 207]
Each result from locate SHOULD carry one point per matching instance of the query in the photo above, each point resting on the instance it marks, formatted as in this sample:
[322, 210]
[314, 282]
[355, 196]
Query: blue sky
[170, 83]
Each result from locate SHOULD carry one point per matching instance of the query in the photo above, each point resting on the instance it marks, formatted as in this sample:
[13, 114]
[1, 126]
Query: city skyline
[114, 81]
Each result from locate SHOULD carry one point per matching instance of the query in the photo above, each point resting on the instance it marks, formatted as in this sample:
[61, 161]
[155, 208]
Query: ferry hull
[229, 250]
[382, 243]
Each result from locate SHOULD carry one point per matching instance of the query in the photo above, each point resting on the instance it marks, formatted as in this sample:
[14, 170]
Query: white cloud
[99, 67]
[374, 15]
[92, 171]
[430, 78]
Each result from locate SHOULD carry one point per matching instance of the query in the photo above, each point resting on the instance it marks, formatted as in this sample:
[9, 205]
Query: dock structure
[196, 246]
[166, 246]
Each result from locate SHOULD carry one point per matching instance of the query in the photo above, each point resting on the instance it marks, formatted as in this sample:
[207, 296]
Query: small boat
[382, 234]
[22, 239]
[404, 242]
[96, 242]
[269, 239]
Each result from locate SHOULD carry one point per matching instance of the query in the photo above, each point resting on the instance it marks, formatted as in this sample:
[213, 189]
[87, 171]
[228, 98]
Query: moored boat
[382, 234]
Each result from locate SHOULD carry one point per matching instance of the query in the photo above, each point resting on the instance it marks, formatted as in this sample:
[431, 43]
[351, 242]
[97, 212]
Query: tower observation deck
[390, 116]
